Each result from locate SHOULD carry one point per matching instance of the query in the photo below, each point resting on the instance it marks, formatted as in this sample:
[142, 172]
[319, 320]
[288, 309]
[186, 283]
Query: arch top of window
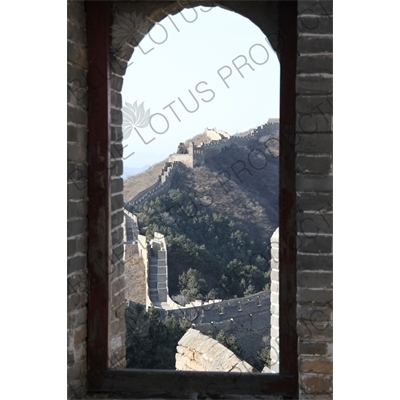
[130, 27]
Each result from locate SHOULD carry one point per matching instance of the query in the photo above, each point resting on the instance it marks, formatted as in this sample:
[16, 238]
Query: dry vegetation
[135, 184]
[249, 199]
[135, 280]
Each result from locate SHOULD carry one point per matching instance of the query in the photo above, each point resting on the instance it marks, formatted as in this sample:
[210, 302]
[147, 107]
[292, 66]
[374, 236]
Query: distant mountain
[136, 183]
[129, 171]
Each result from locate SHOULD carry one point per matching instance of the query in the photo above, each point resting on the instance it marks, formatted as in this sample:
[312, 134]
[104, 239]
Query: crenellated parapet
[198, 154]
[162, 185]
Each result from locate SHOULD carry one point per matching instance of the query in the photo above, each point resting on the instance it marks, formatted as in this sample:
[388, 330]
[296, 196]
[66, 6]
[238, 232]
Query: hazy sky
[217, 71]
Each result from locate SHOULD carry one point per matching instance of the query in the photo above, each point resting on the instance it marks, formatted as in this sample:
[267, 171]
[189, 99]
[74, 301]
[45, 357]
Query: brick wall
[313, 201]
[314, 198]
[274, 335]
[77, 199]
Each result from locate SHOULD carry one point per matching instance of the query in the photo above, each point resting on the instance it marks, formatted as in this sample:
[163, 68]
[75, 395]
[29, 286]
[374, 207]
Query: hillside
[241, 182]
[249, 198]
[135, 184]
[216, 217]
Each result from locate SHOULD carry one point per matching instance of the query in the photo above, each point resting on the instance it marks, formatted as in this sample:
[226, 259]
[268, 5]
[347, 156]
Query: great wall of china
[197, 156]
[253, 319]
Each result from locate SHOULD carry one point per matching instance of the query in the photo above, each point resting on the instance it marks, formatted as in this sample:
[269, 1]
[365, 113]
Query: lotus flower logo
[125, 27]
[134, 116]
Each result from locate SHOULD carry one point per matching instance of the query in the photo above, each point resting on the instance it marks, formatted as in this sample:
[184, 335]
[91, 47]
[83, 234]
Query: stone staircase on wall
[131, 232]
[152, 280]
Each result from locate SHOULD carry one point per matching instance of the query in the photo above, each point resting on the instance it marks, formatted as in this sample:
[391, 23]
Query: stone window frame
[101, 144]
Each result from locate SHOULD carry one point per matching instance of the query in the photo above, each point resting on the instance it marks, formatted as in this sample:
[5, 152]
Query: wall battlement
[198, 352]
[162, 185]
[197, 157]
[251, 319]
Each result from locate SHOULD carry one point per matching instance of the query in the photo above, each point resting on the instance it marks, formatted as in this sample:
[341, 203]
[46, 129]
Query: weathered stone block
[315, 25]
[76, 370]
[80, 244]
[76, 96]
[318, 202]
[116, 151]
[76, 227]
[76, 53]
[315, 279]
[118, 299]
[76, 301]
[118, 285]
[76, 15]
[116, 83]
[321, 243]
[117, 269]
[275, 286]
[117, 185]
[275, 320]
[117, 254]
[310, 84]
[275, 298]
[80, 351]
[314, 183]
[312, 348]
[116, 343]
[275, 274]
[70, 357]
[77, 263]
[314, 296]
[316, 383]
[76, 76]
[76, 34]
[117, 236]
[311, 224]
[116, 102]
[77, 283]
[116, 116]
[76, 388]
[315, 64]
[77, 172]
[76, 116]
[314, 262]
[116, 168]
[322, 104]
[76, 153]
[275, 309]
[71, 247]
[319, 44]
[318, 366]
[317, 143]
[81, 316]
[114, 327]
[315, 8]
[118, 65]
[314, 164]
[314, 123]
[307, 329]
[77, 134]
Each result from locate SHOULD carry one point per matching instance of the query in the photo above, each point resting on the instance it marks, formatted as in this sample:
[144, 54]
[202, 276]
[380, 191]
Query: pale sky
[198, 61]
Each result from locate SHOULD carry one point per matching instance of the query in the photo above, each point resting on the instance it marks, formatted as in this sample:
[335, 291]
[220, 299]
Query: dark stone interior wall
[313, 189]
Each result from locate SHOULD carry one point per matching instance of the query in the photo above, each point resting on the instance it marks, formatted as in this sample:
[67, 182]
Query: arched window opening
[106, 334]
[200, 105]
